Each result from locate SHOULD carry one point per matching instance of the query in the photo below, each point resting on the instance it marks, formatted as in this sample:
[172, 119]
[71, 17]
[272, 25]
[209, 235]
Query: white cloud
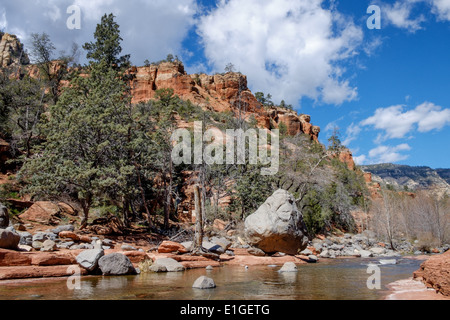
[150, 29]
[441, 8]
[289, 48]
[360, 160]
[384, 154]
[3, 20]
[351, 134]
[399, 14]
[397, 123]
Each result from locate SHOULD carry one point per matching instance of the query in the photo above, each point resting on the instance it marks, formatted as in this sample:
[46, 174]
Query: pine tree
[88, 133]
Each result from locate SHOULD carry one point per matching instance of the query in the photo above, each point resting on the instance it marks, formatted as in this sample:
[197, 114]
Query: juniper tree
[88, 132]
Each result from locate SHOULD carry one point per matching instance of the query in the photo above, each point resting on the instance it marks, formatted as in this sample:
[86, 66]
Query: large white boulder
[277, 226]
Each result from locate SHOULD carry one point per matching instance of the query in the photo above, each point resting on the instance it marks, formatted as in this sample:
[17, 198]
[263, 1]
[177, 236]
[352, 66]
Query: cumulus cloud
[399, 14]
[384, 154]
[289, 48]
[441, 8]
[150, 29]
[397, 123]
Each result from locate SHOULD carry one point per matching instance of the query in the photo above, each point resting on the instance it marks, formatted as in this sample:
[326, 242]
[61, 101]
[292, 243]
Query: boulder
[44, 212]
[277, 226]
[365, 253]
[378, 251]
[42, 236]
[171, 247]
[59, 229]
[36, 245]
[204, 283]
[69, 235]
[289, 267]
[9, 240]
[48, 246]
[4, 217]
[127, 247]
[256, 252]
[224, 243]
[26, 238]
[89, 259]
[116, 264]
[169, 264]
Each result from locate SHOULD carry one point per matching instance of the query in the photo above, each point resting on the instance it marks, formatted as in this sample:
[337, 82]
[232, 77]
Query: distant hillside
[414, 178]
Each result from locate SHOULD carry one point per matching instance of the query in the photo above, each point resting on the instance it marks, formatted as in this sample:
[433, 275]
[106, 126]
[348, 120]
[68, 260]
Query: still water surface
[344, 279]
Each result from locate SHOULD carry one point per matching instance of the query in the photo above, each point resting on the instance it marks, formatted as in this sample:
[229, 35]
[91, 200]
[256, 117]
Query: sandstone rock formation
[277, 226]
[11, 51]
[435, 273]
[44, 212]
[220, 92]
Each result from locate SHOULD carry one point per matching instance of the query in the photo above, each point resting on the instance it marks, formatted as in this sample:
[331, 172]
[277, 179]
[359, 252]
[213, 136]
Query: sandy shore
[411, 289]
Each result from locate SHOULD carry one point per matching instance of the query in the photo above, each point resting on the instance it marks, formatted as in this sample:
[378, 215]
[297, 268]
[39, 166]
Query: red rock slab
[28, 272]
[257, 261]
[170, 247]
[52, 259]
[69, 235]
[200, 264]
[241, 252]
[136, 256]
[435, 273]
[13, 258]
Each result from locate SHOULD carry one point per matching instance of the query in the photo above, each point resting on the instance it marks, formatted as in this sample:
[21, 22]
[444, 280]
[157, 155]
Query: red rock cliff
[220, 93]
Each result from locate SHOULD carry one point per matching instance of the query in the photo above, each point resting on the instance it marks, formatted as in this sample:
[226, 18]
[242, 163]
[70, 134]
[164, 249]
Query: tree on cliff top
[107, 47]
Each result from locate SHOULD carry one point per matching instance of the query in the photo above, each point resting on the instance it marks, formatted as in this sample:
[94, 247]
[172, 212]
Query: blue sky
[387, 90]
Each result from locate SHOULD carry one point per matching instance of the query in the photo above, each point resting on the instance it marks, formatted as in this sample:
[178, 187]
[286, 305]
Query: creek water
[342, 279]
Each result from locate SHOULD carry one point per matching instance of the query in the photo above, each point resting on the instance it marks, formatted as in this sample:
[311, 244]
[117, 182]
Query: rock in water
[166, 265]
[4, 217]
[289, 267]
[89, 259]
[277, 226]
[116, 264]
[8, 239]
[204, 283]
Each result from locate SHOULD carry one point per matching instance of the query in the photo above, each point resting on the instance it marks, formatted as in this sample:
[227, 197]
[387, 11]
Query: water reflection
[339, 279]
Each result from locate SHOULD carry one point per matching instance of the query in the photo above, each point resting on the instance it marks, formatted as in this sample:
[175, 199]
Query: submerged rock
[204, 283]
[289, 267]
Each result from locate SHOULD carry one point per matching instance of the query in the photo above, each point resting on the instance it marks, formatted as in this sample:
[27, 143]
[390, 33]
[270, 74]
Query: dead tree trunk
[198, 241]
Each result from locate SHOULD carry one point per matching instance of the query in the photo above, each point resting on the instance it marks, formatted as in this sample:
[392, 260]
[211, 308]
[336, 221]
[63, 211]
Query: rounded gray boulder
[204, 283]
[116, 264]
[89, 259]
[4, 217]
[277, 226]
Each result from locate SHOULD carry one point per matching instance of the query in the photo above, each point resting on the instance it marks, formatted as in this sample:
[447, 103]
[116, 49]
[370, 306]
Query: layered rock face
[277, 226]
[11, 51]
[435, 273]
[221, 93]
